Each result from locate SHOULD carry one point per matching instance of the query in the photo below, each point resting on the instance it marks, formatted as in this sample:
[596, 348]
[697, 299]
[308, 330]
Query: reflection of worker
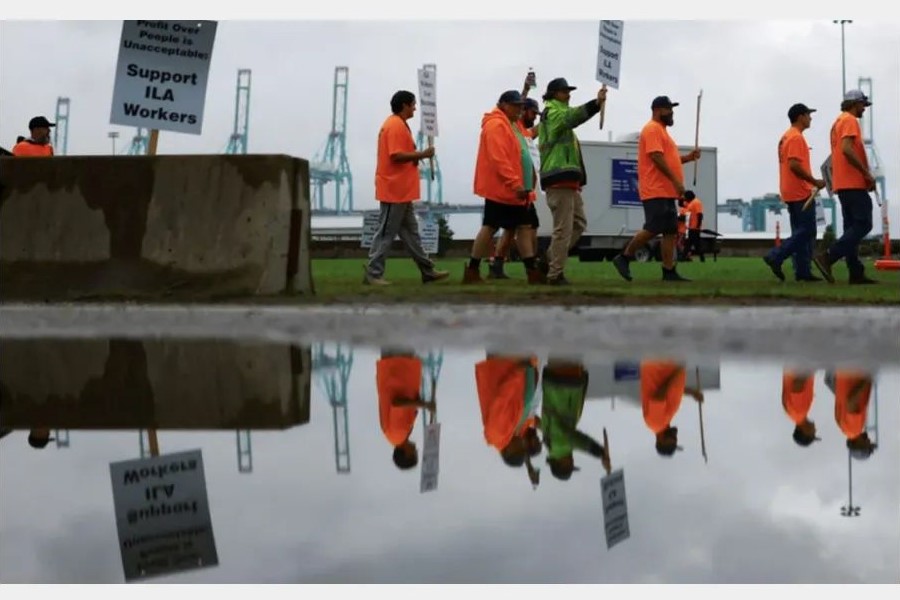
[564, 384]
[662, 387]
[852, 390]
[797, 399]
[506, 392]
[398, 376]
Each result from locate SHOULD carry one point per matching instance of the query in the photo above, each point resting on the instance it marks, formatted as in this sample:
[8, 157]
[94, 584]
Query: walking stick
[700, 407]
[809, 201]
[431, 158]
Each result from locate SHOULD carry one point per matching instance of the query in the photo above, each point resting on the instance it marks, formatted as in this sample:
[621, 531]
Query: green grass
[728, 281]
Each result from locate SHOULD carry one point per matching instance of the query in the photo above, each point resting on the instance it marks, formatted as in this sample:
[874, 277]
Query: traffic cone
[777, 234]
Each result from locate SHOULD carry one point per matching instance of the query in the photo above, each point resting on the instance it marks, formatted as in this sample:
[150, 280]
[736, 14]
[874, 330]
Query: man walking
[562, 170]
[852, 181]
[694, 210]
[396, 188]
[660, 184]
[796, 186]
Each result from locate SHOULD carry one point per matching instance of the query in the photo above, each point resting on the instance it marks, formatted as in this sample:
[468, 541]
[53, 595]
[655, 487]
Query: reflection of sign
[430, 462]
[161, 74]
[370, 226]
[625, 183]
[162, 515]
[627, 371]
[429, 231]
[428, 100]
[820, 213]
[615, 509]
[609, 53]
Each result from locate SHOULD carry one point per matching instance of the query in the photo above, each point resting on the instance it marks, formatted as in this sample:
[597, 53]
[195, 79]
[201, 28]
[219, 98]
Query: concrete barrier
[176, 227]
[160, 384]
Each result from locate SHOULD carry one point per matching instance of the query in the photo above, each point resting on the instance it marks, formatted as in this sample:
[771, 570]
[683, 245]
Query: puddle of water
[251, 460]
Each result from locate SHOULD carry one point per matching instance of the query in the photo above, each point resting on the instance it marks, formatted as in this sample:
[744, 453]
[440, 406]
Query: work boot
[434, 275]
[861, 279]
[775, 266]
[369, 280]
[672, 275]
[495, 269]
[621, 263]
[823, 263]
[535, 276]
[558, 280]
[471, 275]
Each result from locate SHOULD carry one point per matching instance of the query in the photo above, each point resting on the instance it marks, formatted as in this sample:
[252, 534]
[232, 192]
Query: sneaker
[620, 262]
[823, 263]
[435, 276]
[369, 280]
[862, 280]
[672, 275]
[775, 266]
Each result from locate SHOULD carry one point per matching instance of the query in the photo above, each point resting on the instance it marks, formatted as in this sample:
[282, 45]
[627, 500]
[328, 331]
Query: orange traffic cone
[777, 234]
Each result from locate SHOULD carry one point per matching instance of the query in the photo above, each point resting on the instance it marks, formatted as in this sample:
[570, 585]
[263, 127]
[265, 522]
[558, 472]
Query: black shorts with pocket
[508, 216]
[661, 216]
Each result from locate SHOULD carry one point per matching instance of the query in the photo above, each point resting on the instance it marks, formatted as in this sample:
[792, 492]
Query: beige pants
[569, 223]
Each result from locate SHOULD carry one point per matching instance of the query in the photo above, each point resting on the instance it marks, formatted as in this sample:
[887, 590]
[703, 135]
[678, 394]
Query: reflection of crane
[237, 144]
[61, 131]
[139, 143]
[331, 164]
[332, 373]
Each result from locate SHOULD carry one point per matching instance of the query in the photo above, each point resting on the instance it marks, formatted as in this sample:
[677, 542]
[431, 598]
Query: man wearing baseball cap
[796, 185]
[660, 184]
[39, 142]
[852, 181]
[562, 170]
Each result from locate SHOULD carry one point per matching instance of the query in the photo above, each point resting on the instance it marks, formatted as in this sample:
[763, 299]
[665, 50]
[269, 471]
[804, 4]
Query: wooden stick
[700, 408]
[431, 158]
[154, 140]
[607, 466]
[809, 201]
[602, 114]
[154, 442]
[697, 136]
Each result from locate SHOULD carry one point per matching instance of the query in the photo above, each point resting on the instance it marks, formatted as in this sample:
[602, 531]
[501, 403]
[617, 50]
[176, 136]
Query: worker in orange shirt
[398, 377]
[526, 125]
[39, 142]
[852, 181]
[660, 184]
[852, 390]
[506, 385]
[694, 209]
[397, 189]
[797, 399]
[505, 178]
[662, 388]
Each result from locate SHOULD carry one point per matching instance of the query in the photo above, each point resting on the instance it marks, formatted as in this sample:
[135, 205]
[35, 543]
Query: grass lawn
[734, 281]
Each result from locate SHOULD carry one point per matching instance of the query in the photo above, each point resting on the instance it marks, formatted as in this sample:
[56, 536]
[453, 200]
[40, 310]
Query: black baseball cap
[559, 85]
[510, 97]
[799, 109]
[40, 122]
[663, 102]
[532, 104]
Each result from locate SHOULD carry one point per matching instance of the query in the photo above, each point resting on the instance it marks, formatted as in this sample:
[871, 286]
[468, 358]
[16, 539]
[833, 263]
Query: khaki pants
[569, 223]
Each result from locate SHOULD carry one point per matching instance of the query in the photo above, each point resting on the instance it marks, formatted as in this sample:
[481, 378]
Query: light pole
[113, 135]
[842, 22]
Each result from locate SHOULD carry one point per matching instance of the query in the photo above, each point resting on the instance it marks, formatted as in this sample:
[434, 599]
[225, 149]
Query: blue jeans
[799, 245]
[856, 210]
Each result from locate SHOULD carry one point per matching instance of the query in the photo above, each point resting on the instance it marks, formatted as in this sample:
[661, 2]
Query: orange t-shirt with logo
[695, 207]
[844, 176]
[851, 420]
[397, 377]
[26, 148]
[658, 413]
[792, 145]
[396, 182]
[651, 182]
[797, 395]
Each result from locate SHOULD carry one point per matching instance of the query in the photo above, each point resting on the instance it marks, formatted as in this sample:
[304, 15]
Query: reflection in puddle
[316, 464]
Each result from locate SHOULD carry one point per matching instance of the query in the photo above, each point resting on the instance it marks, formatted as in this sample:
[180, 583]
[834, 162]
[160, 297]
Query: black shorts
[661, 216]
[508, 216]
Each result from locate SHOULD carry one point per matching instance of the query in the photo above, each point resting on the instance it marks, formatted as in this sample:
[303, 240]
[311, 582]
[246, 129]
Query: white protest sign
[615, 509]
[609, 53]
[820, 214]
[826, 175]
[161, 74]
[428, 100]
[162, 515]
[370, 227]
[430, 461]
[429, 232]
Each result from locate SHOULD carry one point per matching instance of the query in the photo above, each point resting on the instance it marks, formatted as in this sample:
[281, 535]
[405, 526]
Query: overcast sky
[762, 510]
[750, 73]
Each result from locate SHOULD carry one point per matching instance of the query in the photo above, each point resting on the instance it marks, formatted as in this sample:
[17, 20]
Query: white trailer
[613, 207]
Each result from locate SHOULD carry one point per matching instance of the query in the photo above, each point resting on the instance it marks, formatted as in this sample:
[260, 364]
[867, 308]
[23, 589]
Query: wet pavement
[239, 447]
